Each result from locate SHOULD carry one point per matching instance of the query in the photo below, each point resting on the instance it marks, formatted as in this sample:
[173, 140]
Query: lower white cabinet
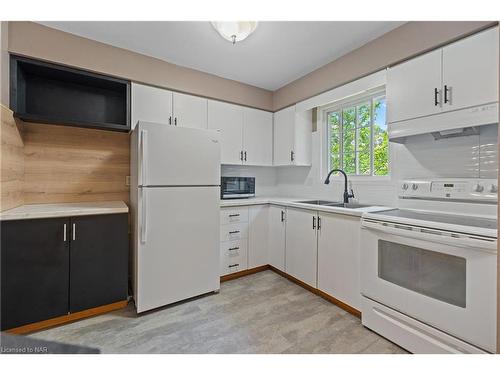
[338, 257]
[243, 238]
[258, 225]
[277, 237]
[233, 256]
[301, 245]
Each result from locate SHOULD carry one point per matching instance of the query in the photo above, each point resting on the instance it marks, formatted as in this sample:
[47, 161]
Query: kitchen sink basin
[335, 204]
[320, 202]
[350, 205]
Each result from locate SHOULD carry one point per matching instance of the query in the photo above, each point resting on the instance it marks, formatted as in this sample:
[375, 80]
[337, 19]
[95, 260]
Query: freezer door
[178, 244]
[177, 156]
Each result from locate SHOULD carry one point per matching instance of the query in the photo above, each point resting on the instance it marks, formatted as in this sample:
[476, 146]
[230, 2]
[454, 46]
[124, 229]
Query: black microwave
[237, 187]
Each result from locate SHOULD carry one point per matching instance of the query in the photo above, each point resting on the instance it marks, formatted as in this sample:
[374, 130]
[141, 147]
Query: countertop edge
[54, 210]
[291, 202]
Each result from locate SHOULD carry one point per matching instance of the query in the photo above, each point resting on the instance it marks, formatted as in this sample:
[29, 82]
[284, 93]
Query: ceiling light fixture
[235, 31]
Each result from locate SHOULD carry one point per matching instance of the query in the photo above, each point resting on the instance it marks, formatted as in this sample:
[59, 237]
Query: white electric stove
[428, 268]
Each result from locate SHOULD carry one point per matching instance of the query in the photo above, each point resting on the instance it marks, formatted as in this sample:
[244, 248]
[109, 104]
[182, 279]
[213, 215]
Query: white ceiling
[274, 55]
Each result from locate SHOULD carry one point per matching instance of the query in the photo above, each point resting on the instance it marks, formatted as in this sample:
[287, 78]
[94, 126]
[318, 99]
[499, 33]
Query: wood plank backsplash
[11, 160]
[69, 164]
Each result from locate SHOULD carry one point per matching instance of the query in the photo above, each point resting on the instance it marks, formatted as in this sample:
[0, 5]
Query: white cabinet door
[302, 148]
[470, 71]
[150, 104]
[301, 245]
[284, 136]
[228, 119]
[338, 258]
[411, 87]
[276, 237]
[189, 111]
[258, 226]
[258, 137]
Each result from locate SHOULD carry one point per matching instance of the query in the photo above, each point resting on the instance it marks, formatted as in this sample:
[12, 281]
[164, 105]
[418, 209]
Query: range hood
[443, 125]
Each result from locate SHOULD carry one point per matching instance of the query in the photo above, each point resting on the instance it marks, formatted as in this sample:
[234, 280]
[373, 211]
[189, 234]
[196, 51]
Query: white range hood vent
[453, 133]
[458, 123]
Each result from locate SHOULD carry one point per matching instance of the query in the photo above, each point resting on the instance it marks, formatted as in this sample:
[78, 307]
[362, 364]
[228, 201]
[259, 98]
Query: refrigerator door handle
[144, 145]
[144, 216]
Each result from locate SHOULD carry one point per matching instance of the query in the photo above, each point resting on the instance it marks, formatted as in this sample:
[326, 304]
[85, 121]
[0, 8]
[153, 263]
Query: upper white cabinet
[228, 119]
[276, 237]
[338, 257]
[150, 104]
[301, 246]
[461, 75]
[414, 88]
[189, 111]
[257, 137]
[470, 71]
[246, 133]
[292, 137]
[153, 104]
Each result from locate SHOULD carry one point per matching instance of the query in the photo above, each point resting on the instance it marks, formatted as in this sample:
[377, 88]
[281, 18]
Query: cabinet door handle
[241, 155]
[234, 215]
[65, 232]
[319, 223]
[175, 121]
[234, 265]
[292, 156]
[314, 222]
[436, 94]
[234, 232]
[233, 248]
[74, 232]
[447, 90]
[245, 156]
[170, 120]
[282, 216]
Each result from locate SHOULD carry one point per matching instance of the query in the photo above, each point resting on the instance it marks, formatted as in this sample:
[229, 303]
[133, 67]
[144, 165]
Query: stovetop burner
[462, 220]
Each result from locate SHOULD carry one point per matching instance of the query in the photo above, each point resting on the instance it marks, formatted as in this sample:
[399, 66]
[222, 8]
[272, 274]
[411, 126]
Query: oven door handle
[431, 235]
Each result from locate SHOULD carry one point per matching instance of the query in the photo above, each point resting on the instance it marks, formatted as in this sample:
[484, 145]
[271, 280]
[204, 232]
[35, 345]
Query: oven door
[445, 281]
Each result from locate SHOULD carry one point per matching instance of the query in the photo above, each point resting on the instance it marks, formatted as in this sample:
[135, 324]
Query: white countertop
[39, 211]
[292, 202]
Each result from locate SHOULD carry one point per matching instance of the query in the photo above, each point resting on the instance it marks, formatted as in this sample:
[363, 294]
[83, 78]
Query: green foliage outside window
[358, 133]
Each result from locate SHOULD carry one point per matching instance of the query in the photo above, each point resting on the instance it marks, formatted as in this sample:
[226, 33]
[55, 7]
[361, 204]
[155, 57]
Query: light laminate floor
[260, 313]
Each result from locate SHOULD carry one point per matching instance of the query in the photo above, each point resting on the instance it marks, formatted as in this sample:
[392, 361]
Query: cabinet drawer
[233, 232]
[233, 256]
[233, 215]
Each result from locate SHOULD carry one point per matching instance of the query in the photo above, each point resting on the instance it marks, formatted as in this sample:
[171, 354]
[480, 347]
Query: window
[357, 137]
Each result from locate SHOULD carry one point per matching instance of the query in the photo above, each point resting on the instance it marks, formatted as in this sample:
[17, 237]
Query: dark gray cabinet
[53, 267]
[98, 261]
[35, 270]
[54, 94]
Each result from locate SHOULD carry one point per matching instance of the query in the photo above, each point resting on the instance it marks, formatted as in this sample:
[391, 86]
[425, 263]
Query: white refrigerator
[175, 190]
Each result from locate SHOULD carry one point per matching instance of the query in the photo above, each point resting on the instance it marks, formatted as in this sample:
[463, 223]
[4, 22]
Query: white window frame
[323, 128]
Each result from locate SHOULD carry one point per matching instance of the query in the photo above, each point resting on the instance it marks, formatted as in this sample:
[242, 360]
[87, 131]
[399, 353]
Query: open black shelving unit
[54, 94]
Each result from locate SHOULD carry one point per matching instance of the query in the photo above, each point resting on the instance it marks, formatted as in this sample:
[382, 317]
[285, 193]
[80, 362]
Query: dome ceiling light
[235, 31]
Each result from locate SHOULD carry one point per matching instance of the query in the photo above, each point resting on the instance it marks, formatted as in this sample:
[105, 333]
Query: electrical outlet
[127, 180]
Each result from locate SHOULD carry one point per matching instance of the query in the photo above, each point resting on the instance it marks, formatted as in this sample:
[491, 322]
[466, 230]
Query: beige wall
[399, 44]
[34, 40]
[4, 63]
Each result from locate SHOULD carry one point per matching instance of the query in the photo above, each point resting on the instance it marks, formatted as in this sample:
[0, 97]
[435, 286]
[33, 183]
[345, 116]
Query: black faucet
[347, 194]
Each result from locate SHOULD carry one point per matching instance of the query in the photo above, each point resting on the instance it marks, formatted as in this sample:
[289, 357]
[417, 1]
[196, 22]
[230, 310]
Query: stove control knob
[404, 186]
[478, 188]
[493, 188]
[414, 186]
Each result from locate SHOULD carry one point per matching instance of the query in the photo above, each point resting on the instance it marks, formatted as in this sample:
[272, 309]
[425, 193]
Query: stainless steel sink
[350, 205]
[319, 202]
[335, 204]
